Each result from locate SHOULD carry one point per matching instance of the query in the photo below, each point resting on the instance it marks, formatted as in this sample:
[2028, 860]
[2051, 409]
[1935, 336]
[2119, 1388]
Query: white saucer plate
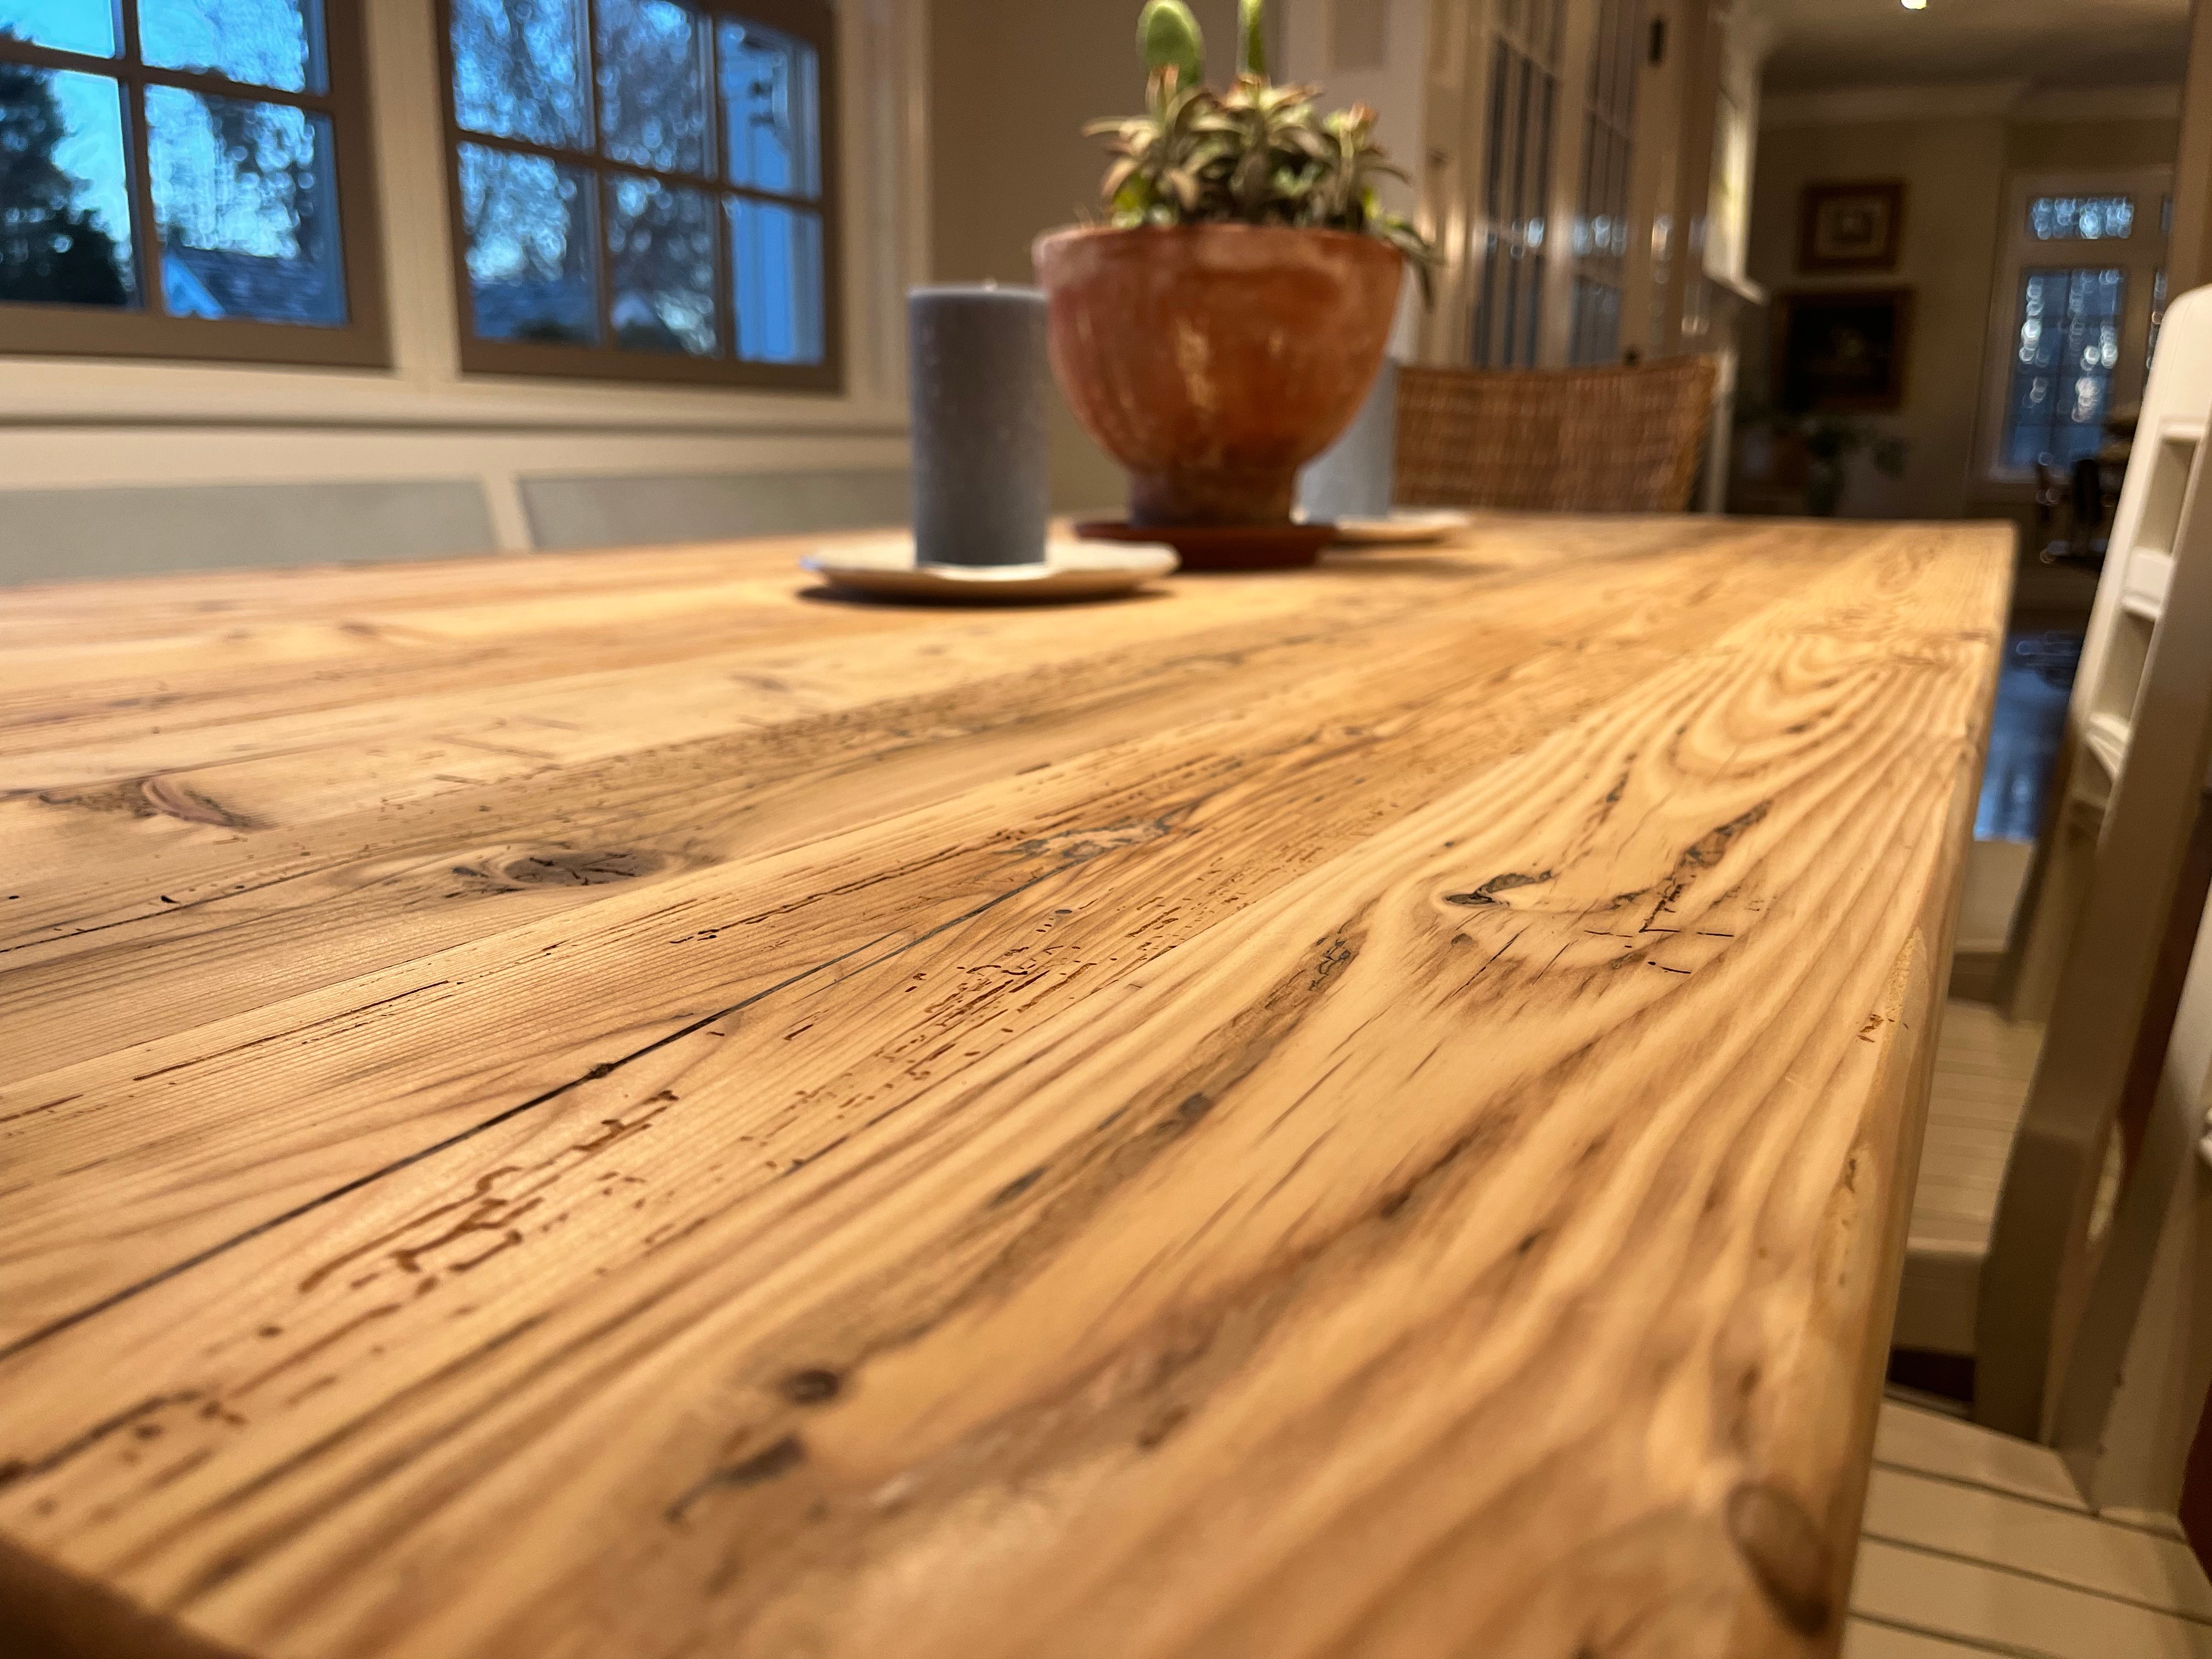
[883, 567]
[1408, 527]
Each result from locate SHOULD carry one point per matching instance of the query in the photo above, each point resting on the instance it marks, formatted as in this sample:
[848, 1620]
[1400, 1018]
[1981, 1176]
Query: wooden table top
[605, 1104]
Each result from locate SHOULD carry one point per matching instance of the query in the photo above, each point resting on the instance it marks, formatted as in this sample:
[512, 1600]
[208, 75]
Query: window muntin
[644, 189]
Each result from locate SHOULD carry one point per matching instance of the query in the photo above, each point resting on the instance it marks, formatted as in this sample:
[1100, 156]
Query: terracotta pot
[1214, 361]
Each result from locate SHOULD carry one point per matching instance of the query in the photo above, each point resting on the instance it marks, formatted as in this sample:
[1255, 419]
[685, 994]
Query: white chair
[2147, 705]
[1975, 1542]
[2131, 598]
[2008, 1221]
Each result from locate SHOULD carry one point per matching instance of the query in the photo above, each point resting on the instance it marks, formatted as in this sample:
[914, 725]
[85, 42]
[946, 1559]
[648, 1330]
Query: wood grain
[1366, 1111]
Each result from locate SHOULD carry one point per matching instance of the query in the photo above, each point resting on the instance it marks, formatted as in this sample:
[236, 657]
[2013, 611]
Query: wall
[1011, 84]
[144, 441]
[1955, 166]
[2058, 146]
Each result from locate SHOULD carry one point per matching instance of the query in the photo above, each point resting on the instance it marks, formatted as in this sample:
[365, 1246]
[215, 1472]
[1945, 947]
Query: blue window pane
[652, 84]
[86, 26]
[530, 265]
[776, 273]
[660, 259]
[771, 112]
[270, 43]
[64, 195]
[245, 207]
[2081, 218]
[519, 70]
[2064, 352]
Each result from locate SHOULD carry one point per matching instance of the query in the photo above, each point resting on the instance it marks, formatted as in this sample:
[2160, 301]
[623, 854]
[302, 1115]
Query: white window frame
[2141, 254]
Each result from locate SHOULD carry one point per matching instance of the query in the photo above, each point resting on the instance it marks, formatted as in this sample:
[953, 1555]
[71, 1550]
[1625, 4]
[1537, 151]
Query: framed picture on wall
[1851, 226]
[1842, 350]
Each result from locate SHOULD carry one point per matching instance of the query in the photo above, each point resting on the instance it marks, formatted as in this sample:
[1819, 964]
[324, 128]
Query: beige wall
[1011, 83]
[2058, 146]
[1955, 171]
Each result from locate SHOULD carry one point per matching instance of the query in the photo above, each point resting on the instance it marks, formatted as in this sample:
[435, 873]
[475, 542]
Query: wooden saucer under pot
[1289, 545]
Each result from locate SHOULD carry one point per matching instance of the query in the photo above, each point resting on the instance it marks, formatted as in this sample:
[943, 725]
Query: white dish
[1405, 527]
[883, 567]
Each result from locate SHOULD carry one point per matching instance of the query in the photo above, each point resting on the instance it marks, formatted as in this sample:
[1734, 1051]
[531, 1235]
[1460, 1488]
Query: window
[1601, 242]
[2068, 346]
[646, 189]
[1524, 88]
[185, 179]
[2076, 315]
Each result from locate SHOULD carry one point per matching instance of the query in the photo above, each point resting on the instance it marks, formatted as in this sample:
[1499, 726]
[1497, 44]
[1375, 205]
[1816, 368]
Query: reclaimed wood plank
[391, 884]
[1404, 1152]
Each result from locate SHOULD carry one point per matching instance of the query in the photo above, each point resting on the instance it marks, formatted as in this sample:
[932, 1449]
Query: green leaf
[1252, 59]
[1168, 37]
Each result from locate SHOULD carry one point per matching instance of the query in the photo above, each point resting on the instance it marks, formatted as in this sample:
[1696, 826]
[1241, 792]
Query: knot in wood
[1786, 1552]
[568, 867]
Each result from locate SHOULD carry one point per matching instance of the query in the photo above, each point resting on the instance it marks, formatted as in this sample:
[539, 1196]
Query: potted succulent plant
[1221, 326]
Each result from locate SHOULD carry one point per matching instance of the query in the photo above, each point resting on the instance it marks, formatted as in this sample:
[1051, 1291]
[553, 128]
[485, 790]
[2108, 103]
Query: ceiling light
[1914, 5]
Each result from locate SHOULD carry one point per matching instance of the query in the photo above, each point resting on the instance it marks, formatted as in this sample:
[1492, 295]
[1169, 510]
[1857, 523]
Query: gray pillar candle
[1351, 479]
[979, 388]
